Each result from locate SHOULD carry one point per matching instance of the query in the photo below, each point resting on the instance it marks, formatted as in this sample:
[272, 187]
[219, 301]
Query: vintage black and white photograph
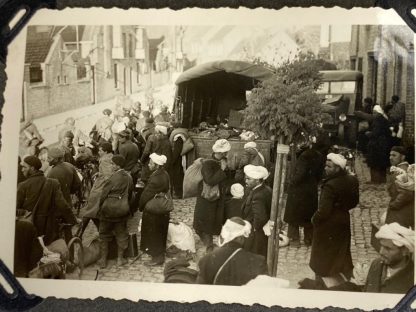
[274, 156]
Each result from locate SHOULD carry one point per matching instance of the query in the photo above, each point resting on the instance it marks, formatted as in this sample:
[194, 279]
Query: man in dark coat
[67, 146]
[256, 208]
[119, 185]
[379, 146]
[157, 143]
[65, 173]
[209, 213]
[302, 197]
[331, 254]
[154, 229]
[177, 138]
[45, 197]
[231, 264]
[130, 152]
[393, 272]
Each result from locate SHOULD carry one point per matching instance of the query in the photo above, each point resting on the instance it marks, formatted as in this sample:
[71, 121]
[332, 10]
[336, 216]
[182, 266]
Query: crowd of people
[140, 158]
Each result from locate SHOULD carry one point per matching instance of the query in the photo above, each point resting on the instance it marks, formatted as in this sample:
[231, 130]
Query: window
[35, 74]
[323, 88]
[58, 80]
[131, 47]
[64, 79]
[124, 38]
[353, 62]
[398, 72]
[115, 76]
[81, 72]
[340, 87]
[138, 72]
[360, 64]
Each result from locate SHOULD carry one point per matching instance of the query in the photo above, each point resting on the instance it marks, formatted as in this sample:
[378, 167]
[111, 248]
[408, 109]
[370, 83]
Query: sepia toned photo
[262, 156]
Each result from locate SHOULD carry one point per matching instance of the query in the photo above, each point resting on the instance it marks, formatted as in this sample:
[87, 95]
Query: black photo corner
[19, 299]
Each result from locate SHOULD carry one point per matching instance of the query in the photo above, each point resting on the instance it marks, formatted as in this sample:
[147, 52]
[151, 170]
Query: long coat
[130, 152]
[256, 210]
[118, 183]
[331, 252]
[176, 169]
[209, 215]
[402, 208]
[379, 144]
[68, 177]
[105, 170]
[159, 144]
[154, 229]
[242, 267]
[398, 283]
[51, 206]
[302, 197]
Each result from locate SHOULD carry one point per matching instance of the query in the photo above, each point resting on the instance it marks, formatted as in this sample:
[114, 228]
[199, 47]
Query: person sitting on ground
[250, 156]
[231, 264]
[233, 204]
[393, 271]
[402, 208]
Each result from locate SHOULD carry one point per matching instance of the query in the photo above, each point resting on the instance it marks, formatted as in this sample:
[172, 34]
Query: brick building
[68, 67]
[385, 55]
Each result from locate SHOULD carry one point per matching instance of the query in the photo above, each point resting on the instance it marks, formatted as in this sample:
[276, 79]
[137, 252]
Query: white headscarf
[158, 159]
[221, 146]
[399, 235]
[237, 190]
[161, 129]
[231, 230]
[337, 159]
[256, 172]
[250, 145]
[378, 109]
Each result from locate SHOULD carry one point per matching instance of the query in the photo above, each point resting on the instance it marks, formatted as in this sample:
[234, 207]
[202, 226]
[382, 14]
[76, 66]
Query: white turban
[256, 172]
[250, 145]
[399, 235]
[161, 129]
[158, 159]
[221, 146]
[337, 159]
[237, 190]
[231, 230]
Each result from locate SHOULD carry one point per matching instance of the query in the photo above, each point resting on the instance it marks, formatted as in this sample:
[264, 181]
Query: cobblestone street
[293, 262]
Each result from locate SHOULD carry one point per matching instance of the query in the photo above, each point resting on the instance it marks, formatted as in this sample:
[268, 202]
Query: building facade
[385, 56]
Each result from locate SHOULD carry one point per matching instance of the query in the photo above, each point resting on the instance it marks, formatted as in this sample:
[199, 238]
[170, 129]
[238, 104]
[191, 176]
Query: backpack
[192, 178]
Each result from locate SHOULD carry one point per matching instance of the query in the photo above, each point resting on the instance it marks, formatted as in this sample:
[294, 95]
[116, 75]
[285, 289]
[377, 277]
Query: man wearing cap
[256, 208]
[231, 264]
[119, 184]
[250, 156]
[154, 229]
[66, 145]
[45, 197]
[393, 271]
[77, 134]
[331, 254]
[65, 173]
[130, 152]
[209, 213]
[157, 143]
[103, 125]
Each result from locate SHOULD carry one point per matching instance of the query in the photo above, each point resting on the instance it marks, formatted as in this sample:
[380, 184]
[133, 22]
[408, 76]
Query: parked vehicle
[341, 94]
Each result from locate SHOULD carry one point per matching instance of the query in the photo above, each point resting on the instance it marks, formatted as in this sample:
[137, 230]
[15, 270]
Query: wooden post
[274, 210]
[278, 223]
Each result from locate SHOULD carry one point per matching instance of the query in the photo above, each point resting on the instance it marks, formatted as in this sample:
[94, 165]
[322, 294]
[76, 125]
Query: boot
[102, 262]
[120, 257]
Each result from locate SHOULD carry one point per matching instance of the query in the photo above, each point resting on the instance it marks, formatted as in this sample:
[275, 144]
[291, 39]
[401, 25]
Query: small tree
[286, 108]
